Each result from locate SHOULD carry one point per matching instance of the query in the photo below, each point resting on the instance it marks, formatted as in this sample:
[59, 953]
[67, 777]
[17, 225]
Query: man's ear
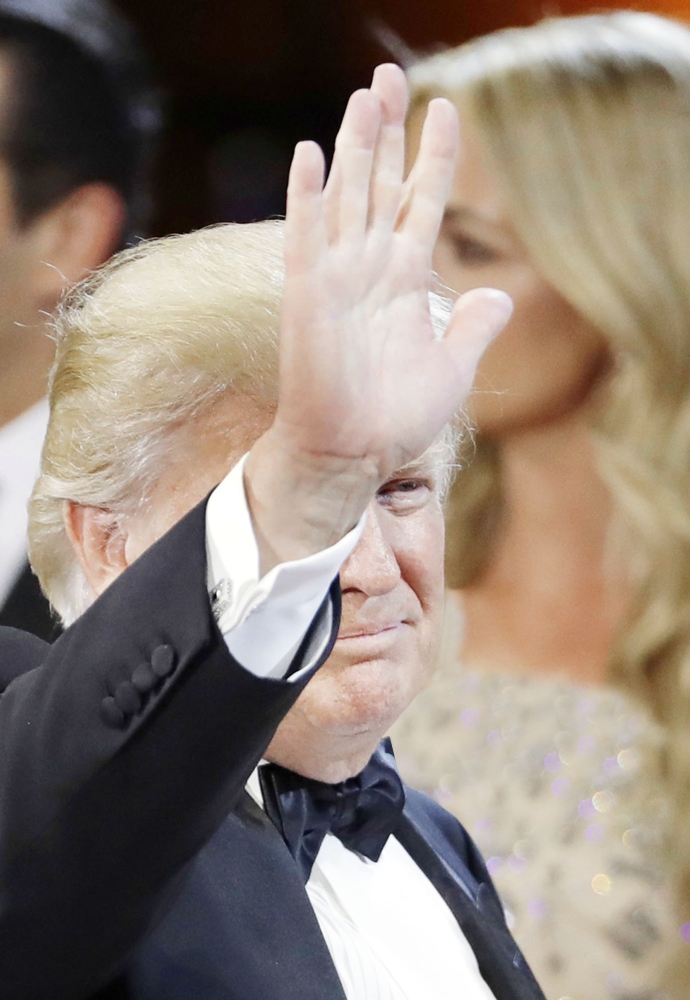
[99, 543]
[74, 237]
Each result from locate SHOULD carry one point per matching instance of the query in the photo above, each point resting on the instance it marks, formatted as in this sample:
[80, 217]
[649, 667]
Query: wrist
[302, 503]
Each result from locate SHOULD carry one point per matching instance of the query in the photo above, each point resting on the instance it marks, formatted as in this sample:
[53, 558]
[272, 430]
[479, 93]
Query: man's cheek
[421, 559]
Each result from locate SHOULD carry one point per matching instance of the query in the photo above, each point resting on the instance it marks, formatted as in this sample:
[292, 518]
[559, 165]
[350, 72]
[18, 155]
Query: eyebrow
[426, 463]
[495, 228]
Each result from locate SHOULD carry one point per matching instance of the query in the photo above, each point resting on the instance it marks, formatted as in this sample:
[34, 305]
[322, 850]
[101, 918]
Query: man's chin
[357, 719]
[336, 723]
[327, 745]
[325, 767]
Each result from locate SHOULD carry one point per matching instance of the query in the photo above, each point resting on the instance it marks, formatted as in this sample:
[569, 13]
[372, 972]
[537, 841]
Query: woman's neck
[549, 601]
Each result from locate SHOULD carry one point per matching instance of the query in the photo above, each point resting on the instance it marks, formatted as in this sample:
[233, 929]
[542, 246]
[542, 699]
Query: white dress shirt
[264, 620]
[20, 451]
[389, 932]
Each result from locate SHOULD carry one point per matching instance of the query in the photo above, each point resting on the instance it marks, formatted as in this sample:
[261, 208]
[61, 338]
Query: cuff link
[221, 598]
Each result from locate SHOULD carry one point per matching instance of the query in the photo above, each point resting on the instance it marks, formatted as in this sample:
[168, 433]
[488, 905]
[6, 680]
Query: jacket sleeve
[123, 746]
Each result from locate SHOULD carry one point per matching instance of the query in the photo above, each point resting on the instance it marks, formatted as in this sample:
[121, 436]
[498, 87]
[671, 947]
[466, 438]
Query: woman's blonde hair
[586, 125]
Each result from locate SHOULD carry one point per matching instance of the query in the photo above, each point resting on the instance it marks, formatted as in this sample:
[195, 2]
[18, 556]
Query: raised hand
[365, 384]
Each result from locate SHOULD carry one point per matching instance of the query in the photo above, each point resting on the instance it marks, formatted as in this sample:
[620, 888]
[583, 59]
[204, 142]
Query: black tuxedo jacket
[133, 865]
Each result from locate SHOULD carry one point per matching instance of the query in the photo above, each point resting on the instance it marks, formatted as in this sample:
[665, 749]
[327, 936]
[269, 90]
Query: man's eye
[404, 493]
[471, 252]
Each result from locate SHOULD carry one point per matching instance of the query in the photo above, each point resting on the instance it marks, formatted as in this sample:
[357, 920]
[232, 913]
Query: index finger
[430, 180]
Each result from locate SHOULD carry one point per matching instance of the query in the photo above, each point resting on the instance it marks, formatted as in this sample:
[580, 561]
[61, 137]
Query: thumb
[478, 317]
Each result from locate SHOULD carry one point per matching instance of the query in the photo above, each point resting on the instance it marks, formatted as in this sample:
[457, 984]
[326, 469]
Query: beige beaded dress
[555, 783]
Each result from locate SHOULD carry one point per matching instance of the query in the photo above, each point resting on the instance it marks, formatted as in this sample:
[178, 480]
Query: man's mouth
[364, 632]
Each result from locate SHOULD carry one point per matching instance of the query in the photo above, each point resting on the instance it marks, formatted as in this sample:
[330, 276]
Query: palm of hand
[386, 386]
[363, 374]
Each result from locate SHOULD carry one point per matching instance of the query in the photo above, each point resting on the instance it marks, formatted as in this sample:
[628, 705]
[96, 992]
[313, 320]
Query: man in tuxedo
[77, 120]
[194, 799]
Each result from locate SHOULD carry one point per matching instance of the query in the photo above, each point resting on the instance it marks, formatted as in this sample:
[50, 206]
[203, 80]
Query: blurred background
[244, 81]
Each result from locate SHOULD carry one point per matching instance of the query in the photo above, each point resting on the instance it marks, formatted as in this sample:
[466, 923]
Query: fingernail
[500, 301]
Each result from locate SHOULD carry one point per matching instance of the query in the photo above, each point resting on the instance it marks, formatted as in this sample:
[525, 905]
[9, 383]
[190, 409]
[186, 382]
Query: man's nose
[373, 567]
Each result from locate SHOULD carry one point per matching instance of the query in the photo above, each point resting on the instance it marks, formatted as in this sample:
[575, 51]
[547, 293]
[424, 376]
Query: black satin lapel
[27, 608]
[474, 905]
[242, 926]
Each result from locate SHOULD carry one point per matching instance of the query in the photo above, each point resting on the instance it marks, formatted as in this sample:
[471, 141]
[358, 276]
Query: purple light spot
[537, 909]
[615, 981]
[469, 717]
[483, 826]
[494, 864]
[611, 766]
[515, 863]
[561, 786]
[685, 933]
[552, 762]
[494, 738]
[586, 809]
[586, 743]
[594, 833]
[441, 795]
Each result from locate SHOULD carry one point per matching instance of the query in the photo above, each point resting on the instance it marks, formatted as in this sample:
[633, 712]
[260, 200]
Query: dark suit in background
[27, 608]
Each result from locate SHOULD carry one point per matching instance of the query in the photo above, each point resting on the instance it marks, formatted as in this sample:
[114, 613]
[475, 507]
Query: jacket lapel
[448, 857]
[221, 937]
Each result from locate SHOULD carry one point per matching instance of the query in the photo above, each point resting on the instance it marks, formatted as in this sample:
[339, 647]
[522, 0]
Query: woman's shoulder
[555, 781]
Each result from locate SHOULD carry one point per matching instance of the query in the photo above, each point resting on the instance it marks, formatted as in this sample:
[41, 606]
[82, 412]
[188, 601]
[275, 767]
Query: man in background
[78, 121]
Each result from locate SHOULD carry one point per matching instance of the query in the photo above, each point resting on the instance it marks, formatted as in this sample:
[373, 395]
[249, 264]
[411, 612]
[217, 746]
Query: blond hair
[151, 342]
[586, 124]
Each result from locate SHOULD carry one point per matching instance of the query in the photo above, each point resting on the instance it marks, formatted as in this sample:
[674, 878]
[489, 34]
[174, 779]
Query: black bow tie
[361, 812]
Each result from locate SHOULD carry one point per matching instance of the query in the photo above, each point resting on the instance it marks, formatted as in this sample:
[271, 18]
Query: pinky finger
[428, 185]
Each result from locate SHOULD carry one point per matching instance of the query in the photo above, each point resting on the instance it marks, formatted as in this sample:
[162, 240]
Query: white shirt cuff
[265, 620]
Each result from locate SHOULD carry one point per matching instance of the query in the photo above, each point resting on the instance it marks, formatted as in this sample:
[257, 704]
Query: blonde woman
[558, 726]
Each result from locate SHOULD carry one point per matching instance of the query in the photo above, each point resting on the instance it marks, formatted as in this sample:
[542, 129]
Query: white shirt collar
[21, 442]
[390, 934]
